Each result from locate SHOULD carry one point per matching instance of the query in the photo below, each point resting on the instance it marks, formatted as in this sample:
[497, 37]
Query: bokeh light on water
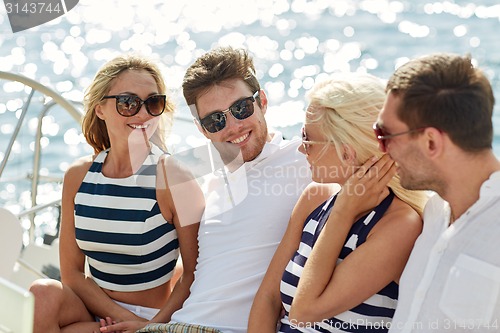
[294, 43]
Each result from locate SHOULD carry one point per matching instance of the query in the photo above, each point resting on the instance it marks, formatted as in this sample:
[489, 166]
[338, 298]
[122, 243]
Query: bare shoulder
[173, 170]
[319, 192]
[313, 196]
[80, 166]
[401, 217]
[178, 192]
[76, 172]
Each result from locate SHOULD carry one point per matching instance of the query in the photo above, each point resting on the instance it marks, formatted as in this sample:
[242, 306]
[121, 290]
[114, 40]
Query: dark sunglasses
[240, 110]
[383, 136]
[129, 105]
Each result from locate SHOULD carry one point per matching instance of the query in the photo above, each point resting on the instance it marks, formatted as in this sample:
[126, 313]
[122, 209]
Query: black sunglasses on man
[241, 109]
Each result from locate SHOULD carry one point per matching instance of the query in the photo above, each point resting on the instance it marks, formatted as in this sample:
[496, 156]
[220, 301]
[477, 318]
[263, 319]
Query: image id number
[32, 8]
[470, 325]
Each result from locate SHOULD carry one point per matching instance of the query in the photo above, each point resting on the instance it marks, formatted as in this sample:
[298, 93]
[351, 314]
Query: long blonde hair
[346, 107]
[94, 129]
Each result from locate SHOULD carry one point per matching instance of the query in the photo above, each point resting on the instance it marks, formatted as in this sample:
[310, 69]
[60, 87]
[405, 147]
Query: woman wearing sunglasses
[338, 265]
[118, 213]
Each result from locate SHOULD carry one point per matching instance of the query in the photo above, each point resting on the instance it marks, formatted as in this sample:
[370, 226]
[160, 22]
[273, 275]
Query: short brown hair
[447, 92]
[216, 66]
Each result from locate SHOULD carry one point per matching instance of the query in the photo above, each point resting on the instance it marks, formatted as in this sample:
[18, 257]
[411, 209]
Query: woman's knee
[47, 290]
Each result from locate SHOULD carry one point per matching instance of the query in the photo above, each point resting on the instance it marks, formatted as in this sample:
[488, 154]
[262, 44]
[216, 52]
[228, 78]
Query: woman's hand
[367, 187]
[109, 326]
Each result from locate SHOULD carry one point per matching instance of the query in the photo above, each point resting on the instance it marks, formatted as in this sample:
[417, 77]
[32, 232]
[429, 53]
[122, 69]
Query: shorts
[141, 311]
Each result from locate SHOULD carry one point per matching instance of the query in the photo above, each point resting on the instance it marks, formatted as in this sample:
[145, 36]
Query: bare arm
[266, 308]
[181, 200]
[72, 259]
[326, 289]
[180, 193]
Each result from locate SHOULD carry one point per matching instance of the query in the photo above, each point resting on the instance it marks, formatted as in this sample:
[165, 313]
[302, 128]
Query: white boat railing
[55, 99]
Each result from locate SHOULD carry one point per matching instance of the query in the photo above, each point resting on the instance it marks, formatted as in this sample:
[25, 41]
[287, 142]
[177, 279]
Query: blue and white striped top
[374, 314]
[119, 227]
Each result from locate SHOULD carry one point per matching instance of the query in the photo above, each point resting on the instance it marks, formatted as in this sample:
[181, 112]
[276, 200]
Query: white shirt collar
[491, 186]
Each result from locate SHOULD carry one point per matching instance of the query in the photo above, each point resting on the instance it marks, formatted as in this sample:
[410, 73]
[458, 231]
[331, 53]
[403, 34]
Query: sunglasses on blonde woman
[306, 143]
[383, 136]
[129, 105]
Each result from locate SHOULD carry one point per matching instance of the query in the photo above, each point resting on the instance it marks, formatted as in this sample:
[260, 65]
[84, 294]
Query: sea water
[293, 42]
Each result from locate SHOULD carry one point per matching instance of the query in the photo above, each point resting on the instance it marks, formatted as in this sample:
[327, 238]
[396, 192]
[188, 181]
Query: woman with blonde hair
[352, 230]
[118, 213]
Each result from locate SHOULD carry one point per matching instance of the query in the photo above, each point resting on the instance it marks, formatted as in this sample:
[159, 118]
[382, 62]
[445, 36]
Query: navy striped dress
[119, 227]
[374, 314]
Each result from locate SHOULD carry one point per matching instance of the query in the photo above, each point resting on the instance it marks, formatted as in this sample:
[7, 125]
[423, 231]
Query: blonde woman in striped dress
[352, 230]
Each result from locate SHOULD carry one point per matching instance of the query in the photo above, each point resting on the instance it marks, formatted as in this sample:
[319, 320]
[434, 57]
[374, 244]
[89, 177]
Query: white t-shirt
[451, 282]
[247, 212]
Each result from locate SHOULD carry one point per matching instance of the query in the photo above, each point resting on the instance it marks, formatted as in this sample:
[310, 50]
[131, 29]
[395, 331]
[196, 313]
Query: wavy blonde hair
[94, 129]
[346, 107]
